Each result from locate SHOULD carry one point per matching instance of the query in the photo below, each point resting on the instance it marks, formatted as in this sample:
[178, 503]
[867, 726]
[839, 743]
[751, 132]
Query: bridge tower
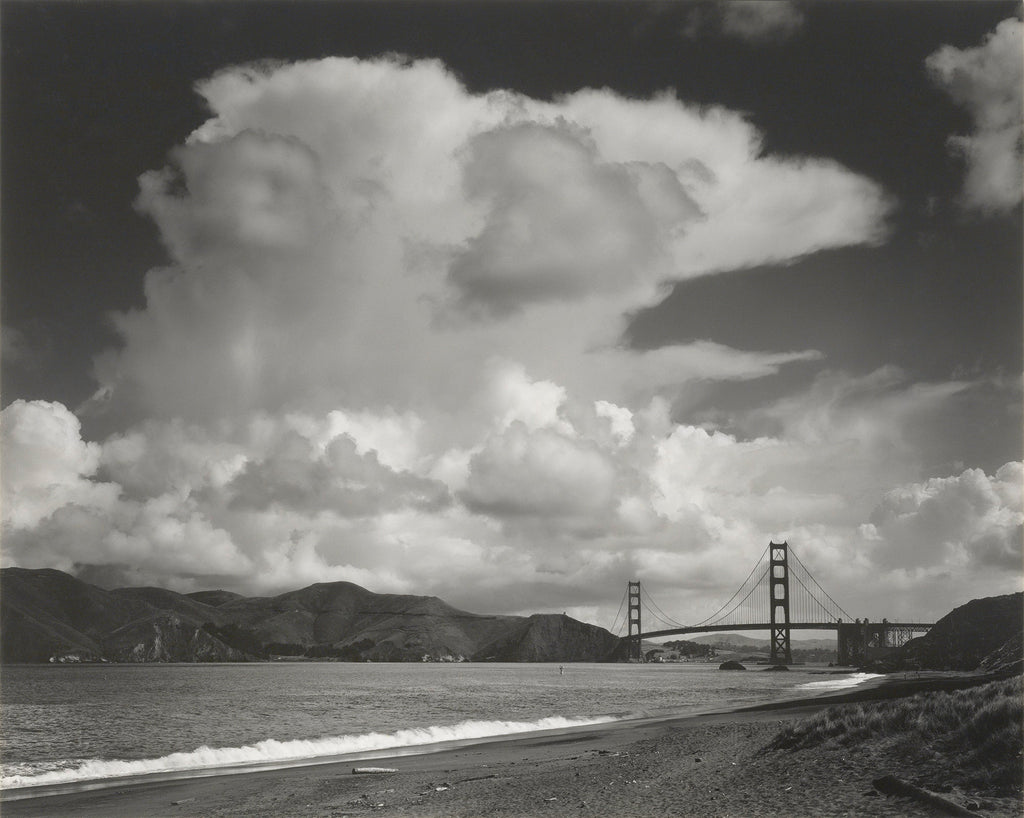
[778, 576]
[635, 649]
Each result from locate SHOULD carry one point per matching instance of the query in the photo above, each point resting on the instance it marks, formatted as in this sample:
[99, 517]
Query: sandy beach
[704, 765]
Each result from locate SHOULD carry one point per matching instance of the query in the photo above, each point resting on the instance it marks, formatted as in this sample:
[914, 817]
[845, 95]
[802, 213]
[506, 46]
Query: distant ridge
[50, 616]
[739, 640]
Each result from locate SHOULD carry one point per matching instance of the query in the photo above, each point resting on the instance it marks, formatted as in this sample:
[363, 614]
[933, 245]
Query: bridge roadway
[767, 626]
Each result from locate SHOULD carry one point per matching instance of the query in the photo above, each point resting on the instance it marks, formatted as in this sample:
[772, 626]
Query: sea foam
[271, 751]
[852, 680]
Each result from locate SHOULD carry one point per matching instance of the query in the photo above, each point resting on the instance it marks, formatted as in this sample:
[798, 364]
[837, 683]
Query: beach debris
[891, 785]
[182, 801]
[373, 770]
[442, 788]
[552, 798]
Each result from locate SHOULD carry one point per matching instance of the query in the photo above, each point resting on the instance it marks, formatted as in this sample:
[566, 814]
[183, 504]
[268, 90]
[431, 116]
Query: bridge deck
[767, 626]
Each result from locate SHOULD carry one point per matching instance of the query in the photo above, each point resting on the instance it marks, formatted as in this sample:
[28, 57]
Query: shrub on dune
[971, 738]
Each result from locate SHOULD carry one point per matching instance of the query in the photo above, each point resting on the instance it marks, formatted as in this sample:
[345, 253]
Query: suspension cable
[817, 584]
[806, 613]
[615, 621]
[757, 564]
[668, 620]
[736, 607]
[651, 612]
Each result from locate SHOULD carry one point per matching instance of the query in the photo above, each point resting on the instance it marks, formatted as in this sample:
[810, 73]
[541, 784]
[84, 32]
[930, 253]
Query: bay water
[80, 723]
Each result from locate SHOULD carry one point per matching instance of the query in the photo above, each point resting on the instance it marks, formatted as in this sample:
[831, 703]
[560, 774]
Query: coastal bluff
[50, 616]
[983, 634]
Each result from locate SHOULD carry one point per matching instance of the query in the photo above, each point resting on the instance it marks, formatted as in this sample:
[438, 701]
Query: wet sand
[704, 765]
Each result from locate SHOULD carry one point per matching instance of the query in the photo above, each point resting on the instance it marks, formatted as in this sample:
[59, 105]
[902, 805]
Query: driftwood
[377, 770]
[891, 785]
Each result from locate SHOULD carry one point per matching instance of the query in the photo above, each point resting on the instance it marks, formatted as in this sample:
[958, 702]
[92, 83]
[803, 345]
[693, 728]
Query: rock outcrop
[166, 637]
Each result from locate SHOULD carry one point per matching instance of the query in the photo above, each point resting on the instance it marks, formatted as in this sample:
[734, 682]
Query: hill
[983, 633]
[50, 616]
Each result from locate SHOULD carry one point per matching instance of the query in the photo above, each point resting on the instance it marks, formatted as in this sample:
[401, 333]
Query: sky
[511, 303]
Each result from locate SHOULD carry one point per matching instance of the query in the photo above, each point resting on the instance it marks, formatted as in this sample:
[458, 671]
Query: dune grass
[969, 738]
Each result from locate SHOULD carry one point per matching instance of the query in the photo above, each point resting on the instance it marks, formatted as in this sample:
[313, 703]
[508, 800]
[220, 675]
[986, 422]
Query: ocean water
[81, 723]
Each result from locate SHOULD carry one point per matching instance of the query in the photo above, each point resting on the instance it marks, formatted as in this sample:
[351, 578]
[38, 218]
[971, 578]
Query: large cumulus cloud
[354, 233]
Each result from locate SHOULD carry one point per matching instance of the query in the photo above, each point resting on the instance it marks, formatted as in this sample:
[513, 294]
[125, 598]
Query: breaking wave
[271, 751]
[852, 680]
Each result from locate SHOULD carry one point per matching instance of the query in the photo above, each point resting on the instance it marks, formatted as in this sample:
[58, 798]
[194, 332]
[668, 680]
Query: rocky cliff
[166, 637]
[51, 616]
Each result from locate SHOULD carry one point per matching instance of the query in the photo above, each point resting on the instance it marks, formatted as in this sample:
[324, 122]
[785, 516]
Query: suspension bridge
[779, 595]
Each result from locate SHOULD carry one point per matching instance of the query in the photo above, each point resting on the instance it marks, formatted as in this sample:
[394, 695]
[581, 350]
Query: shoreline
[497, 776]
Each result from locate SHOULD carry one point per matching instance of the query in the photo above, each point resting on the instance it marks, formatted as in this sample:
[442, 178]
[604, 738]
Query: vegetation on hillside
[966, 738]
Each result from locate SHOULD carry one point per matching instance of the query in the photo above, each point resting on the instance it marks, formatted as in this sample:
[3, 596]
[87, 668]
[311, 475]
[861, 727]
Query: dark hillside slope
[61, 597]
[49, 616]
[338, 614]
[967, 635]
[552, 638]
[47, 613]
[28, 638]
[161, 599]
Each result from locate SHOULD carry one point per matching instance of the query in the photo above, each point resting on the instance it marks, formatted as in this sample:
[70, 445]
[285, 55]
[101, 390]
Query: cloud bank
[988, 81]
[387, 348]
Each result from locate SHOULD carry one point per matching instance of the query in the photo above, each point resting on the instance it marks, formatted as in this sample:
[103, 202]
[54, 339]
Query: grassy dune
[970, 739]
